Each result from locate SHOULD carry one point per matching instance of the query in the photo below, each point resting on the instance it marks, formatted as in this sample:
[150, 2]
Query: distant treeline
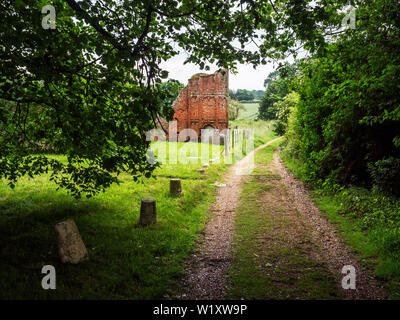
[246, 95]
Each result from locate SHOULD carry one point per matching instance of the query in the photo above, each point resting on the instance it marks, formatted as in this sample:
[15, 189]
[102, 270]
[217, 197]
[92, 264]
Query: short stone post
[70, 245]
[175, 188]
[148, 214]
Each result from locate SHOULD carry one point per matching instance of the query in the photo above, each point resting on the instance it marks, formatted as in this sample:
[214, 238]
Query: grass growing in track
[125, 261]
[265, 265]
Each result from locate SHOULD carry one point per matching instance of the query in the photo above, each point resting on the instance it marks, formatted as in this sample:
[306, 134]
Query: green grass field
[125, 261]
[250, 113]
[262, 129]
[247, 119]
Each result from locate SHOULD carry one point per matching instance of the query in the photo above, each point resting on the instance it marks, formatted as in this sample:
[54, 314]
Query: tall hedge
[348, 116]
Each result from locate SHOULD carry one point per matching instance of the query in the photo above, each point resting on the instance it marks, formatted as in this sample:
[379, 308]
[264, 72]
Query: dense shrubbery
[385, 174]
[278, 84]
[285, 108]
[348, 116]
[275, 92]
[373, 209]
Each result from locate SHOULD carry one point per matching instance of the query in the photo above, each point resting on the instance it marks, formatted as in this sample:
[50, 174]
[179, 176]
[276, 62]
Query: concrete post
[148, 214]
[175, 188]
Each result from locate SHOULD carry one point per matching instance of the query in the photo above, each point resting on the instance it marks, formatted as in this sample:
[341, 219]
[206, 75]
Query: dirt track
[206, 270]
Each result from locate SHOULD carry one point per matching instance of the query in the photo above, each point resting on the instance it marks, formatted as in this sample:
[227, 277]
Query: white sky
[246, 78]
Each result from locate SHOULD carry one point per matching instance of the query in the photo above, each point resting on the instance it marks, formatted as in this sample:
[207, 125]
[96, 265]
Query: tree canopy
[91, 87]
[278, 84]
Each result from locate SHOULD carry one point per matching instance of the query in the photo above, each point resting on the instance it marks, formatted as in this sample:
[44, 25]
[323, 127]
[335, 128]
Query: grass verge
[368, 221]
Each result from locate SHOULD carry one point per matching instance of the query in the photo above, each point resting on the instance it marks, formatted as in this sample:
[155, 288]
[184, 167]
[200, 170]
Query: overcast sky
[246, 78]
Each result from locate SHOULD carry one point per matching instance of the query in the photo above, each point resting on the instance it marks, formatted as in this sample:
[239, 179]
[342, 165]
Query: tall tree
[278, 85]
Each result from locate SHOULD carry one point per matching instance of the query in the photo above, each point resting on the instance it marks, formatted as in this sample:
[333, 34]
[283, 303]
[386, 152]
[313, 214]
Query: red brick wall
[204, 101]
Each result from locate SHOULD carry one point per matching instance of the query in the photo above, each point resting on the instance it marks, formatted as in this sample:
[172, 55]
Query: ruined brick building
[203, 103]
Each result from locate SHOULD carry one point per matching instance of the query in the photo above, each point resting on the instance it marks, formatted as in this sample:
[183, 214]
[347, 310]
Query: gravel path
[206, 269]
